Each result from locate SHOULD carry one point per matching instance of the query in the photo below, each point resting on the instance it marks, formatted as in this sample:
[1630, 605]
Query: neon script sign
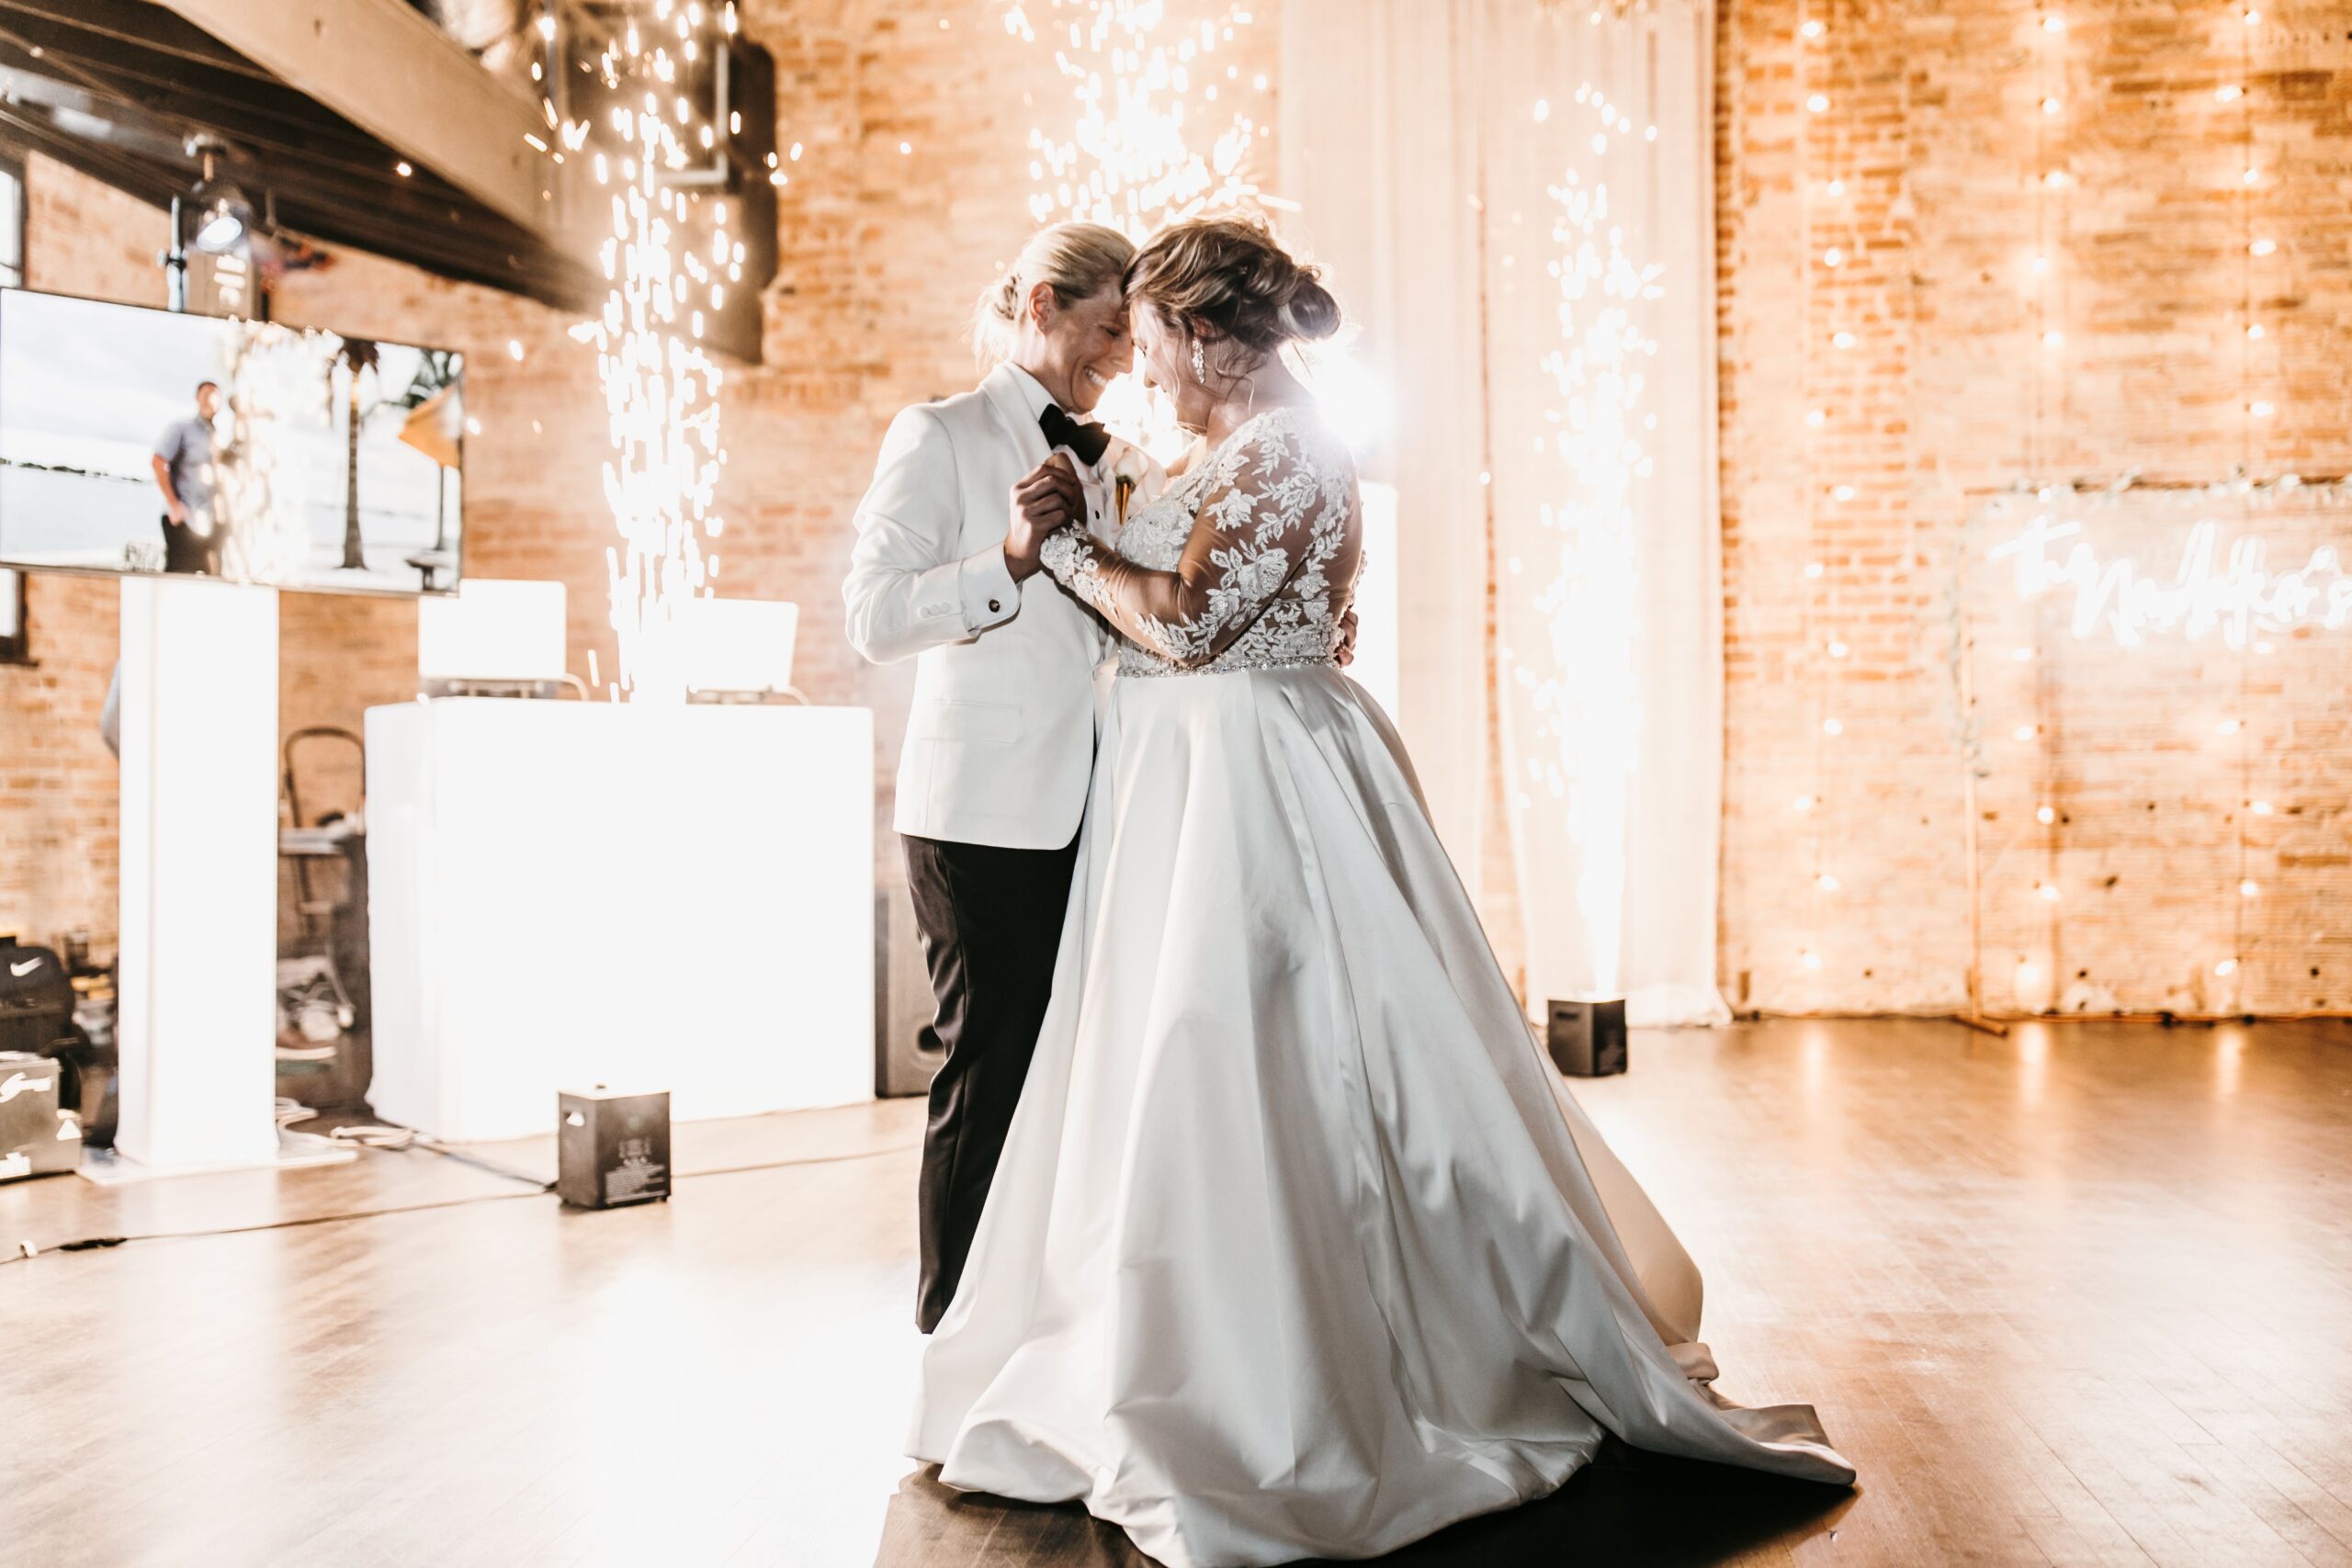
[2233, 592]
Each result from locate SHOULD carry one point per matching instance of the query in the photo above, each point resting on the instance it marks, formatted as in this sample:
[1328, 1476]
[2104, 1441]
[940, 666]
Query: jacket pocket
[993, 723]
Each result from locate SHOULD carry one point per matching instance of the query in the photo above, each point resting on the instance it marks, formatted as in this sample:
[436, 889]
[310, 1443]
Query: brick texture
[1934, 122]
[59, 822]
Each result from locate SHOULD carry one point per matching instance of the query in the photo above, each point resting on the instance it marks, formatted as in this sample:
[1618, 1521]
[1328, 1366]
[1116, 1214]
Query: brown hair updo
[1229, 274]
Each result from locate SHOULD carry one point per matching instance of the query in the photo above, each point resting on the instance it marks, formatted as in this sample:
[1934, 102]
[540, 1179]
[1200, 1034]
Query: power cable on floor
[27, 1250]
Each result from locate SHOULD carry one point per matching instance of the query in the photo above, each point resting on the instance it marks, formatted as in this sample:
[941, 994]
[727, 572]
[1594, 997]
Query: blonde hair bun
[1080, 260]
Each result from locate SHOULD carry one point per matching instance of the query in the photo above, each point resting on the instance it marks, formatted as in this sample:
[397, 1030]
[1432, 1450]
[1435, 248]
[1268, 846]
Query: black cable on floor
[26, 1251]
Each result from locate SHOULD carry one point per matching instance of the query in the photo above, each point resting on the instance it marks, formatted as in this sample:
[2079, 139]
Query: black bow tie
[1088, 441]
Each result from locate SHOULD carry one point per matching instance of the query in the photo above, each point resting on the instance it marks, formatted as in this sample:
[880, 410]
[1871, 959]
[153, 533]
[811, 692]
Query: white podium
[563, 894]
[199, 879]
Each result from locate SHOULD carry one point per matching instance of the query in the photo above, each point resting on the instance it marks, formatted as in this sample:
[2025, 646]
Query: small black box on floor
[612, 1149]
[1587, 1039]
[37, 1137]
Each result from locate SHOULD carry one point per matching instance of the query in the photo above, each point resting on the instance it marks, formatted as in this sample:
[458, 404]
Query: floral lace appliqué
[1267, 520]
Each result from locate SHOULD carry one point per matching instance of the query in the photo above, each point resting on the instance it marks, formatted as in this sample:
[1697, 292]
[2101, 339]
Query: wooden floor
[2083, 1295]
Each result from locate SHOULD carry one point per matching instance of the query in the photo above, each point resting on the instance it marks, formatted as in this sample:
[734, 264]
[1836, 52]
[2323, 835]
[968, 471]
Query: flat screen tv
[134, 440]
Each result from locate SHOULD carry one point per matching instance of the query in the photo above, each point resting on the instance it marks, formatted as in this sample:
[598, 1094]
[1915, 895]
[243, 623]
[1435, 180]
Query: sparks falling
[1137, 78]
[1591, 712]
[1142, 146]
[662, 390]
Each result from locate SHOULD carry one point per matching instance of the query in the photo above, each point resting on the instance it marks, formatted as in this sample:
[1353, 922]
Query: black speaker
[904, 1004]
[1587, 1039]
[612, 1149]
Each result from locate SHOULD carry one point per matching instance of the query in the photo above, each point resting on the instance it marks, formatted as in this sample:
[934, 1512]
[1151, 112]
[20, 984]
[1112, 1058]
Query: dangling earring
[1200, 364]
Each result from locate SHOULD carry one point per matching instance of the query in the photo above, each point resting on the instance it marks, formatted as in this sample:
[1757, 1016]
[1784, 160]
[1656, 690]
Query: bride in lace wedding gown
[1298, 1247]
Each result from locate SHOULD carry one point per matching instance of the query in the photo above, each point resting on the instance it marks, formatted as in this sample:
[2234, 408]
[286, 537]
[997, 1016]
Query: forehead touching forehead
[1106, 307]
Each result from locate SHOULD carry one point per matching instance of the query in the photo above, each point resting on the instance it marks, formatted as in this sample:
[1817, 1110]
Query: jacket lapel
[1002, 385]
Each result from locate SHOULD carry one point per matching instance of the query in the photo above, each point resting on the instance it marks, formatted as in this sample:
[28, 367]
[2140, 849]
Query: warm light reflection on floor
[2033, 1045]
[1816, 1058]
[2228, 1059]
[2055, 1294]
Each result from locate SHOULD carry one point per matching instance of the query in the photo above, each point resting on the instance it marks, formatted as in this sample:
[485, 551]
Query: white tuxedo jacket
[1000, 740]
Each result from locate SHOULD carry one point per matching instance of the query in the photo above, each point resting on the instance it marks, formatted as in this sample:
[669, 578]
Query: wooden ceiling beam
[392, 72]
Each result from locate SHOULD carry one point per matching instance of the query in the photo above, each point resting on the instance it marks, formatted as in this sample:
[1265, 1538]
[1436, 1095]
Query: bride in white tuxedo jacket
[1000, 740]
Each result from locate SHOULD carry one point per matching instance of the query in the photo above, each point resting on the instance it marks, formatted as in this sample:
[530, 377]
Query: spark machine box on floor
[36, 1137]
[612, 1149]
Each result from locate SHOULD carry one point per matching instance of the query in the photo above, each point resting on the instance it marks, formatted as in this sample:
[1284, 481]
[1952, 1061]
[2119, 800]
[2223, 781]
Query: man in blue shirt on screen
[184, 473]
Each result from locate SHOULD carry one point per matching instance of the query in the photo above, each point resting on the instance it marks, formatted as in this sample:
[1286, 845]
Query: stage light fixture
[224, 215]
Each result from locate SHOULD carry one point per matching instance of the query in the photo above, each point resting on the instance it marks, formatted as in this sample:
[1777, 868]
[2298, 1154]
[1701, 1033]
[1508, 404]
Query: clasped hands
[1043, 499]
[1048, 496]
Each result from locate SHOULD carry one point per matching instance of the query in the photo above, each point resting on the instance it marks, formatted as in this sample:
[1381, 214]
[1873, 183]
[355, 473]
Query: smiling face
[1075, 351]
[1167, 355]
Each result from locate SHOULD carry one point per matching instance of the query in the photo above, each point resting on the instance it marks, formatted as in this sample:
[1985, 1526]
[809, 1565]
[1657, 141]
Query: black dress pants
[991, 924]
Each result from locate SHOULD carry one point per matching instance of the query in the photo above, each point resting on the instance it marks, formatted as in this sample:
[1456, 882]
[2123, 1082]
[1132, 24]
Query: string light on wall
[2246, 555]
[2210, 573]
[2046, 545]
[2036, 970]
[1831, 225]
[2213, 576]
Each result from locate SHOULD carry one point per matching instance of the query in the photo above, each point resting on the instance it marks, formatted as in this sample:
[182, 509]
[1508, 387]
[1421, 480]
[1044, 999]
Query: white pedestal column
[198, 1025]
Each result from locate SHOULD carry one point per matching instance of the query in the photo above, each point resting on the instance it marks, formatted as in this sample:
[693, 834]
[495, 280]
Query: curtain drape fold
[1515, 200]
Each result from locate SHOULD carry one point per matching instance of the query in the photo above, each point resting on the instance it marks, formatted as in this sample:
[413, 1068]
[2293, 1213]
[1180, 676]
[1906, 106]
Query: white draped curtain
[1515, 199]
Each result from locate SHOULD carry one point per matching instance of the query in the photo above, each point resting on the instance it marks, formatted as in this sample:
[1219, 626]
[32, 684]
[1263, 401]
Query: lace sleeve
[1255, 528]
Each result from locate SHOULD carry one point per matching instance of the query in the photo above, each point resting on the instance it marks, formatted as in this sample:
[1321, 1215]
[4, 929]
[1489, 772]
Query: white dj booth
[669, 896]
[563, 894]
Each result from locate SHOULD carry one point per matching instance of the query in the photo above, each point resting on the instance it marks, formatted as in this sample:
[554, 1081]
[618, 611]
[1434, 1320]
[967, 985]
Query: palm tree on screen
[356, 355]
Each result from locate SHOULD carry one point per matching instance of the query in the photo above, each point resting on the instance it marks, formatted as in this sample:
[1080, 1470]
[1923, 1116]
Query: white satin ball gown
[1297, 1248]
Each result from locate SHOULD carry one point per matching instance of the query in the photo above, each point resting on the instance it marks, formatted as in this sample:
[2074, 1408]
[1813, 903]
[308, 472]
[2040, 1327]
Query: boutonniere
[1128, 471]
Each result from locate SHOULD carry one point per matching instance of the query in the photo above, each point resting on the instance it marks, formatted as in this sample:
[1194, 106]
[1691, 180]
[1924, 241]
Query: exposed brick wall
[1934, 124]
[59, 821]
